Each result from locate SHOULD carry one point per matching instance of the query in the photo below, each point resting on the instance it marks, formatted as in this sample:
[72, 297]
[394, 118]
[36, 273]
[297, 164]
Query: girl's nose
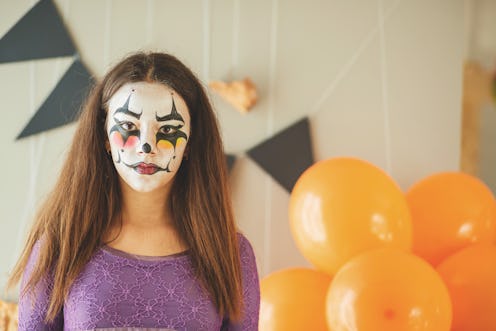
[146, 148]
[147, 145]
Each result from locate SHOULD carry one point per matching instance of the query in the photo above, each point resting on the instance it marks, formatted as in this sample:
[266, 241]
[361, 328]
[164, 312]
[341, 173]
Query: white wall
[379, 79]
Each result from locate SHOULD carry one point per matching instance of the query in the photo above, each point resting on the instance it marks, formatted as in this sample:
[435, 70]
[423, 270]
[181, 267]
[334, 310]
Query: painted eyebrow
[174, 115]
[125, 109]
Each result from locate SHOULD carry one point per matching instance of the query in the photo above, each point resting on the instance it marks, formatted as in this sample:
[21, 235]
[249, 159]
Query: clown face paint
[148, 126]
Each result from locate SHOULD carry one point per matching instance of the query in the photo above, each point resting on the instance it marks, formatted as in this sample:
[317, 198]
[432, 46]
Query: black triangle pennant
[63, 104]
[287, 154]
[38, 34]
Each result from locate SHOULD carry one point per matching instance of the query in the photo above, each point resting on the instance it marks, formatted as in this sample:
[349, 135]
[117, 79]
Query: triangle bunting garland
[287, 154]
[37, 35]
[63, 104]
[41, 34]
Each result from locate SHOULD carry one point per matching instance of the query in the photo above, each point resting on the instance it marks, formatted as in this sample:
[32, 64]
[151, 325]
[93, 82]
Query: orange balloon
[293, 299]
[470, 276]
[450, 211]
[388, 290]
[343, 206]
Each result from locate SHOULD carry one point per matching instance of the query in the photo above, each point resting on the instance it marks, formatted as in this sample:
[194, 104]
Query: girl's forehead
[149, 99]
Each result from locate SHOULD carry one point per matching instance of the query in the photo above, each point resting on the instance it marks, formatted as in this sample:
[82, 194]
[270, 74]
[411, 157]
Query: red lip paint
[146, 169]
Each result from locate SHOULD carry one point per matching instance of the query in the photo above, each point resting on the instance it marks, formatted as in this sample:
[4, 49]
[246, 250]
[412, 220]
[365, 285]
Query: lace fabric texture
[119, 291]
[130, 329]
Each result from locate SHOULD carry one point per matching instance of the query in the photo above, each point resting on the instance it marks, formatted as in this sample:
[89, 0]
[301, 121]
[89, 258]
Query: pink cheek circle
[132, 141]
[117, 139]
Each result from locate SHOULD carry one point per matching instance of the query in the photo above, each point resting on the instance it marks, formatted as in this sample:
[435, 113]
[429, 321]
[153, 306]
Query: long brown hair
[78, 213]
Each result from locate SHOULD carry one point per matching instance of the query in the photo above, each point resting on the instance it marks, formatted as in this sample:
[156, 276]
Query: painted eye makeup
[127, 126]
[169, 129]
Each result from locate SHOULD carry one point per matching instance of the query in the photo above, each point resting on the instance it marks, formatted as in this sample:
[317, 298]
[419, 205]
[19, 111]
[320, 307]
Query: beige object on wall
[241, 94]
[8, 316]
[476, 93]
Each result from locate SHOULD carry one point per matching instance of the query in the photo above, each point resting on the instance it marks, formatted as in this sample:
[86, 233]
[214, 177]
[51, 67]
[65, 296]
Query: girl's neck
[147, 225]
[147, 210]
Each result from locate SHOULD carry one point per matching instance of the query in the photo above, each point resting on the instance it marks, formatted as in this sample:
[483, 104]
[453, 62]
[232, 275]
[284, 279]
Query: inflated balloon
[388, 290]
[344, 206]
[470, 276]
[450, 211]
[293, 299]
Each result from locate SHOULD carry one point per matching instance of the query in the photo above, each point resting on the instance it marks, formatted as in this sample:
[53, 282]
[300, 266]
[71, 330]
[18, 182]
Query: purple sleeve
[251, 289]
[34, 305]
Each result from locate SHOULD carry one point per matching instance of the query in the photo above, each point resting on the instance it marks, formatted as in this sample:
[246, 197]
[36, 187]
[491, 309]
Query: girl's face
[148, 127]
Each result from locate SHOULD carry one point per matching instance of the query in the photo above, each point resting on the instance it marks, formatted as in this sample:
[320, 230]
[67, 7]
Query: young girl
[138, 233]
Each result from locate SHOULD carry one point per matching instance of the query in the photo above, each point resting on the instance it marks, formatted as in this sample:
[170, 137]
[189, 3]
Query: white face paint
[148, 126]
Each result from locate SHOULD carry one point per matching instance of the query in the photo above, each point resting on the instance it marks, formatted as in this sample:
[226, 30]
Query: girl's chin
[147, 183]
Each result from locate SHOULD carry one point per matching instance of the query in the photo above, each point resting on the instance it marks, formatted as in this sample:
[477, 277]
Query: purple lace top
[120, 291]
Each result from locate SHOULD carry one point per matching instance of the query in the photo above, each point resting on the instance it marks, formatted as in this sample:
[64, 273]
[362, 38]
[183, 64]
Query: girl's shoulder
[246, 251]
[244, 243]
